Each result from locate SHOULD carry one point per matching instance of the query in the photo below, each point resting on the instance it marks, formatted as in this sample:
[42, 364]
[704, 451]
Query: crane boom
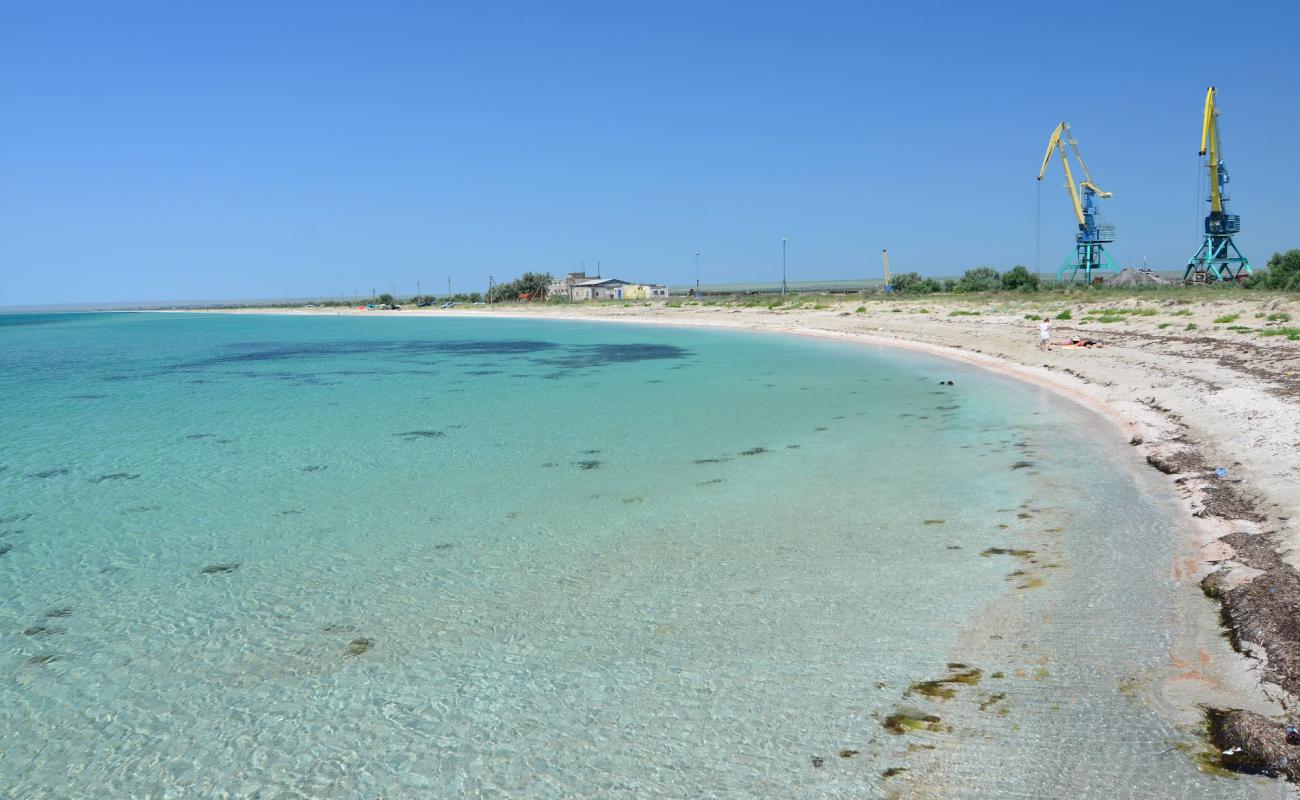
[1210, 148]
[1054, 143]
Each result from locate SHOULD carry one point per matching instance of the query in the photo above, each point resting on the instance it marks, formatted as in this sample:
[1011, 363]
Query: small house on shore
[577, 286]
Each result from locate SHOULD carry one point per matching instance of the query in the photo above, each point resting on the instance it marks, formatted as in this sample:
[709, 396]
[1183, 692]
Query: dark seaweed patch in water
[57, 613]
[357, 646]
[140, 509]
[5, 548]
[821, 429]
[935, 521]
[711, 460]
[484, 372]
[116, 476]
[596, 355]
[945, 688]
[754, 451]
[41, 631]
[1022, 465]
[413, 436]
[907, 721]
[89, 396]
[220, 569]
[20, 516]
[314, 467]
[589, 464]
[196, 436]
[443, 546]
[1007, 551]
[49, 473]
[42, 660]
[710, 482]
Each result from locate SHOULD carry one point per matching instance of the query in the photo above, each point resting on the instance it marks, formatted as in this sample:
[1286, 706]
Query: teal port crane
[1218, 259]
[1090, 253]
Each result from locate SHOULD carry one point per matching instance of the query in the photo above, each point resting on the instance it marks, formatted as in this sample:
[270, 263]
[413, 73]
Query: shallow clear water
[257, 556]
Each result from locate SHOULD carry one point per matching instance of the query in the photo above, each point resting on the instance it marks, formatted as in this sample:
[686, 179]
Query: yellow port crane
[1089, 254]
[1218, 259]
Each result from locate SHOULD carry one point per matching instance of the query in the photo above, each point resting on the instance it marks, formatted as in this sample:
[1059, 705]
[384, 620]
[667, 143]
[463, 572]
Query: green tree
[385, 299]
[905, 281]
[1282, 273]
[979, 279]
[1019, 279]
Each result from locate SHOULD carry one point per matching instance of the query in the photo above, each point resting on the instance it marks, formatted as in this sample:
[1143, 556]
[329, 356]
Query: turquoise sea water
[254, 556]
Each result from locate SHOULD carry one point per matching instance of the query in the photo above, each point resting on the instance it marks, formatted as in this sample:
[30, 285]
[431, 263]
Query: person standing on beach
[1045, 334]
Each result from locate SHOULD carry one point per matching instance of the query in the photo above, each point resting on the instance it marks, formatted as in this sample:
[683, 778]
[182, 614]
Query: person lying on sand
[1077, 342]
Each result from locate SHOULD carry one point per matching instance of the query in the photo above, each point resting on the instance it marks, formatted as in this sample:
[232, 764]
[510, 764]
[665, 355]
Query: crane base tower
[1218, 259]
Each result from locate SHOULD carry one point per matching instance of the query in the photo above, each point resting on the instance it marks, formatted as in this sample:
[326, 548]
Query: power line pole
[697, 274]
[784, 286]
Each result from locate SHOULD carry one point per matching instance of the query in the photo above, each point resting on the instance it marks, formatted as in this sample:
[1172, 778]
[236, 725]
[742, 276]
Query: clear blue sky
[250, 150]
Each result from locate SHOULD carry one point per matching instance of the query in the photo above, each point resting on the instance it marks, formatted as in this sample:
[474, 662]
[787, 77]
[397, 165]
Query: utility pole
[449, 287]
[697, 274]
[884, 258]
[491, 285]
[417, 293]
[784, 286]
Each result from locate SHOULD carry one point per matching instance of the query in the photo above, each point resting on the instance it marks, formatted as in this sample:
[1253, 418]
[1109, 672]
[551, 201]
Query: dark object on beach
[892, 771]
[1007, 551]
[818, 761]
[1292, 736]
[220, 569]
[357, 646]
[848, 753]
[945, 383]
[1253, 744]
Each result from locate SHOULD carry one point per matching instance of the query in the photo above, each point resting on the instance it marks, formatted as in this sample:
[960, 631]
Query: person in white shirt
[1045, 334]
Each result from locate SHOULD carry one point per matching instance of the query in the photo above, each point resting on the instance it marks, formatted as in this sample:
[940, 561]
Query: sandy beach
[1213, 405]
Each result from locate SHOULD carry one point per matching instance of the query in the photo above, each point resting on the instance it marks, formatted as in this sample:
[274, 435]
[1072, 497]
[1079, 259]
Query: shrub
[1281, 274]
[979, 279]
[861, 309]
[1226, 318]
[1280, 316]
[1191, 326]
[1020, 279]
[957, 312]
[1292, 334]
[1065, 315]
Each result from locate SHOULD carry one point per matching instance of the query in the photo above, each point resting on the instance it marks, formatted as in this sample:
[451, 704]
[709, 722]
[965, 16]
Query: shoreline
[1153, 387]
